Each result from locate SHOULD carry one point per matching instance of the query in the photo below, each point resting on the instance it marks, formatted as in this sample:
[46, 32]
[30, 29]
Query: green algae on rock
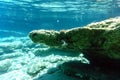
[100, 41]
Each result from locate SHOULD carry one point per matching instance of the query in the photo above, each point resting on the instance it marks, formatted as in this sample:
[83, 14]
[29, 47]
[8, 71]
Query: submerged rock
[100, 42]
[87, 71]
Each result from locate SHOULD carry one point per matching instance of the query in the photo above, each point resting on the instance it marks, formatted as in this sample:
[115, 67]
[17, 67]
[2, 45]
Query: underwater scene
[59, 39]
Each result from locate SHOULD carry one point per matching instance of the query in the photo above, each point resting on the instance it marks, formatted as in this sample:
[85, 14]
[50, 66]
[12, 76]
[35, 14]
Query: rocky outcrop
[100, 41]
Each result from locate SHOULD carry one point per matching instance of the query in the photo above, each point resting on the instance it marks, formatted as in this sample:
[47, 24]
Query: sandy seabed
[21, 59]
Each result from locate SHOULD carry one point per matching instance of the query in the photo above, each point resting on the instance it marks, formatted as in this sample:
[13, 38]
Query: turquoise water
[19, 56]
[26, 15]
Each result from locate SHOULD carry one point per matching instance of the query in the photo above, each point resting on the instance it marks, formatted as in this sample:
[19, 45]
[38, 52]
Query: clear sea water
[22, 16]
[19, 17]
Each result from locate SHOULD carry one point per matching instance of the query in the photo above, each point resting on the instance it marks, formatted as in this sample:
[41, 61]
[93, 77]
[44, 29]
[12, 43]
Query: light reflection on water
[27, 15]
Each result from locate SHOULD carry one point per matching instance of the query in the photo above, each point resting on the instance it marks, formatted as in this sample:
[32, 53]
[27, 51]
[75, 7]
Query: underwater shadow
[53, 51]
[75, 70]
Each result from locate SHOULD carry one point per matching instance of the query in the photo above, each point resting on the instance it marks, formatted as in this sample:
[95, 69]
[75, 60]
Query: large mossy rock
[100, 41]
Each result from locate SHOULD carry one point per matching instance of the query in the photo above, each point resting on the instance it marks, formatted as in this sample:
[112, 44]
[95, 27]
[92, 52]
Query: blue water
[19, 56]
[22, 16]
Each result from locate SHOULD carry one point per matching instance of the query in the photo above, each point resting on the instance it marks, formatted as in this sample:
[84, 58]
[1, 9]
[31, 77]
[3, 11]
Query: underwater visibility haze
[26, 15]
[19, 56]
